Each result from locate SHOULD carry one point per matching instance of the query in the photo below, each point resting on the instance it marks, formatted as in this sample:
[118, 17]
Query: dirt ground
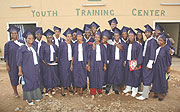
[76, 103]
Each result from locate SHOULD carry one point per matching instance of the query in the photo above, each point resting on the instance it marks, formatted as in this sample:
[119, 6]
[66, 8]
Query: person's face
[79, 37]
[97, 38]
[113, 25]
[74, 36]
[131, 37]
[125, 35]
[49, 38]
[105, 39]
[88, 33]
[161, 42]
[139, 36]
[156, 32]
[148, 34]
[57, 33]
[38, 36]
[69, 37]
[30, 39]
[93, 29]
[116, 36]
[14, 35]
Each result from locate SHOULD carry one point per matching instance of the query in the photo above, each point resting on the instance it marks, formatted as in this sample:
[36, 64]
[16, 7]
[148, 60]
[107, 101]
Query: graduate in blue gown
[48, 55]
[74, 35]
[124, 34]
[80, 60]
[116, 60]
[113, 23]
[10, 50]
[87, 34]
[134, 53]
[94, 28]
[27, 62]
[65, 62]
[149, 53]
[161, 68]
[38, 43]
[57, 39]
[97, 59]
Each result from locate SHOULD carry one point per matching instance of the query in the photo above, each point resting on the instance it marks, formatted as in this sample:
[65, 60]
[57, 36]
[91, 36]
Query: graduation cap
[48, 32]
[116, 30]
[68, 31]
[148, 28]
[158, 27]
[139, 30]
[107, 33]
[164, 35]
[27, 32]
[98, 32]
[79, 32]
[38, 30]
[74, 30]
[114, 20]
[131, 31]
[87, 27]
[93, 24]
[124, 29]
[56, 28]
[13, 28]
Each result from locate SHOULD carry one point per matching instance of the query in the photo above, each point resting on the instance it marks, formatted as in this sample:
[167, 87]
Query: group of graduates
[116, 58]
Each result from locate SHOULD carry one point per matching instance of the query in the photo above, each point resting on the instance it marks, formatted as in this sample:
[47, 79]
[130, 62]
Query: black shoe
[160, 99]
[107, 91]
[116, 92]
[155, 96]
[63, 94]
[71, 91]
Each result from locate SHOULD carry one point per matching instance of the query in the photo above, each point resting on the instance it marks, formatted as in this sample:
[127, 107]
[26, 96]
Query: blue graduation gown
[64, 65]
[149, 55]
[30, 71]
[35, 44]
[168, 42]
[107, 65]
[79, 74]
[116, 69]
[50, 78]
[90, 40]
[132, 78]
[10, 50]
[96, 75]
[160, 69]
[60, 40]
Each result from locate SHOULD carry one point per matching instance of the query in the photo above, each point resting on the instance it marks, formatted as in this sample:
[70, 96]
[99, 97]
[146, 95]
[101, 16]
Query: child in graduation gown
[116, 60]
[27, 62]
[96, 65]
[10, 50]
[48, 54]
[65, 62]
[161, 68]
[149, 53]
[80, 53]
[132, 72]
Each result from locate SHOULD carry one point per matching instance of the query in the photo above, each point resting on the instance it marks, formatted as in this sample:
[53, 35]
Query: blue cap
[114, 20]
[158, 27]
[87, 27]
[139, 30]
[56, 28]
[107, 33]
[27, 32]
[98, 32]
[13, 28]
[79, 32]
[93, 24]
[148, 28]
[164, 35]
[68, 31]
[38, 30]
[116, 30]
[124, 29]
[131, 31]
[48, 32]
[74, 30]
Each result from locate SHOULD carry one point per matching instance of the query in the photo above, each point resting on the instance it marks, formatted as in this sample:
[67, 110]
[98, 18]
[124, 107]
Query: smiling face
[14, 35]
[116, 37]
[139, 36]
[38, 36]
[97, 38]
[125, 35]
[161, 42]
[93, 29]
[88, 33]
[105, 39]
[69, 37]
[30, 39]
[113, 25]
[157, 33]
[57, 33]
[74, 36]
[148, 34]
[79, 37]
[131, 37]
[49, 38]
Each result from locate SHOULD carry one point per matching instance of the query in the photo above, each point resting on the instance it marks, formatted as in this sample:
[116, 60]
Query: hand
[88, 68]
[94, 46]
[124, 64]
[148, 68]
[169, 70]
[20, 74]
[105, 68]
[170, 51]
[119, 46]
[8, 68]
[71, 68]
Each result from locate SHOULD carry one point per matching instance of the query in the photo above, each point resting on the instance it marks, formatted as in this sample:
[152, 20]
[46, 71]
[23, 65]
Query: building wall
[71, 13]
